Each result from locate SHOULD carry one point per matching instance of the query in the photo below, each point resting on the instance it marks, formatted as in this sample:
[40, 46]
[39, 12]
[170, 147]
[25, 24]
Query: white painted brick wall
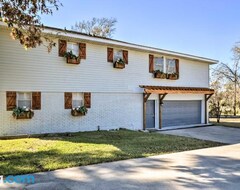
[109, 111]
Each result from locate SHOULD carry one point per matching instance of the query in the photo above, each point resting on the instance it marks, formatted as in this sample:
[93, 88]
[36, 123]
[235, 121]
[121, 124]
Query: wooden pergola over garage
[162, 91]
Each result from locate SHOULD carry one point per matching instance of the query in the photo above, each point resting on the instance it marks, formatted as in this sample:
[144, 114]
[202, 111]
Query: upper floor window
[74, 47]
[171, 66]
[24, 99]
[118, 54]
[158, 64]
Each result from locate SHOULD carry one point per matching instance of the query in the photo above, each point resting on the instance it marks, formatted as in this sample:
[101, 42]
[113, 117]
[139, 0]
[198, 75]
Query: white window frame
[154, 63]
[164, 62]
[166, 65]
[70, 47]
[77, 96]
[18, 98]
[117, 53]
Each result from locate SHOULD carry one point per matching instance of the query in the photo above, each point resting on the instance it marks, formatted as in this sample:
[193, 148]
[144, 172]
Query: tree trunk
[235, 99]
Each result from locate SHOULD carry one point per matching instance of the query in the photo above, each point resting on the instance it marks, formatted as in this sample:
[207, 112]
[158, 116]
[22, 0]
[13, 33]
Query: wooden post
[160, 112]
[207, 96]
[145, 98]
[161, 97]
[144, 112]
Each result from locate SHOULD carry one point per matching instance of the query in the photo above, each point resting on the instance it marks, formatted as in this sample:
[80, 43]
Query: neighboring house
[130, 97]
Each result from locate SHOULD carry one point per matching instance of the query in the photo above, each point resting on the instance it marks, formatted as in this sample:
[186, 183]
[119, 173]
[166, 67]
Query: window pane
[118, 54]
[171, 66]
[158, 63]
[24, 103]
[77, 99]
[74, 47]
[77, 96]
[76, 103]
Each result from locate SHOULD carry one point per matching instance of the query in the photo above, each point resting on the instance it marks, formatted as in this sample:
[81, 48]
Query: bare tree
[216, 101]
[23, 17]
[103, 27]
[231, 73]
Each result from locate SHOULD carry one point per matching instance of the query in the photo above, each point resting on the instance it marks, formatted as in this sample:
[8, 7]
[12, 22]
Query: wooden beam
[207, 96]
[178, 91]
[161, 97]
[146, 96]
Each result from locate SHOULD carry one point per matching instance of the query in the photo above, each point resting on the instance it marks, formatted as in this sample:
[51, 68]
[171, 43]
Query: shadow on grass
[91, 148]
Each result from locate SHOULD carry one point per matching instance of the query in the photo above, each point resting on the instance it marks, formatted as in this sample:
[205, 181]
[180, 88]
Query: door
[176, 113]
[150, 115]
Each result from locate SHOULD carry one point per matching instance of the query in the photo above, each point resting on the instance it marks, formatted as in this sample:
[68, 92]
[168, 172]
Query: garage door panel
[175, 113]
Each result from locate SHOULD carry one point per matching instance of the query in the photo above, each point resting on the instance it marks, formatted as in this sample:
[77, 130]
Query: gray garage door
[176, 113]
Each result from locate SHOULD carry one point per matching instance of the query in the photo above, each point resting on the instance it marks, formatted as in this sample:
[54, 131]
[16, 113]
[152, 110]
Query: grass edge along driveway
[29, 155]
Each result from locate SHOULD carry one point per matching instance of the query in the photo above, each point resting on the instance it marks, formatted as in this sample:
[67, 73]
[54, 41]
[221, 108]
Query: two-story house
[120, 84]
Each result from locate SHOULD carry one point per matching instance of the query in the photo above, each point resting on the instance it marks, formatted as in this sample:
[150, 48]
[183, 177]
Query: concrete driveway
[221, 134]
[211, 168]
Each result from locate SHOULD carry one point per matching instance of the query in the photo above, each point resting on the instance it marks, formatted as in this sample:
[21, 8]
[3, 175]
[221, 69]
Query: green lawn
[30, 155]
[227, 122]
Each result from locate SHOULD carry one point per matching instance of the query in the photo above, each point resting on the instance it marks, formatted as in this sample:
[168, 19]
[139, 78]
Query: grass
[228, 122]
[28, 155]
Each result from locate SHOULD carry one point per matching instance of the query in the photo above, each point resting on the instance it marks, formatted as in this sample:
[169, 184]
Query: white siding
[116, 96]
[36, 70]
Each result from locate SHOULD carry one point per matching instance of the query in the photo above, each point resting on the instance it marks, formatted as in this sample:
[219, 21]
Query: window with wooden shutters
[158, 64]
[110, 55]
[73, 47]
[125, 56]
[62, 47]
[171, 66]
[68, 100]
[87, 99]
[36, 100]
[24, 100]
[151, 63]
[82, 51]
[77, 99]
[11, 100]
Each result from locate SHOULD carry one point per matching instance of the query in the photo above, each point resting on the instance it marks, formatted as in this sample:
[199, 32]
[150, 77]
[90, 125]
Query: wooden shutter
[87, 99]
[11, 98]
[62, 47]
[110, 54]
[151, 63]
[177, 66]
[36, 100]
[68, 100]
[82, 51]
[125, 56]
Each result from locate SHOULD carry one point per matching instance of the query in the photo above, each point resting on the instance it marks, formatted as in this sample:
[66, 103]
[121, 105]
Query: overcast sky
[206, 28]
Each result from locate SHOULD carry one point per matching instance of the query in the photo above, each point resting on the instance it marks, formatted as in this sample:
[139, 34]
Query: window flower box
[79, 111]
[22, 113]
[73, 61]
[71, 58]
[173, 76]
[119, 64]
[159, 74]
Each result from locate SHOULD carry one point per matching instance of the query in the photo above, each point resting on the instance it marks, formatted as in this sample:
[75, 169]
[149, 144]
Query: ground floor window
[24, 99]
[77, 99]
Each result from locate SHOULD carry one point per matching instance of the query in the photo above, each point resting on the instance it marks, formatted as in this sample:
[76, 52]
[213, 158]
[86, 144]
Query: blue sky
[206, 28]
